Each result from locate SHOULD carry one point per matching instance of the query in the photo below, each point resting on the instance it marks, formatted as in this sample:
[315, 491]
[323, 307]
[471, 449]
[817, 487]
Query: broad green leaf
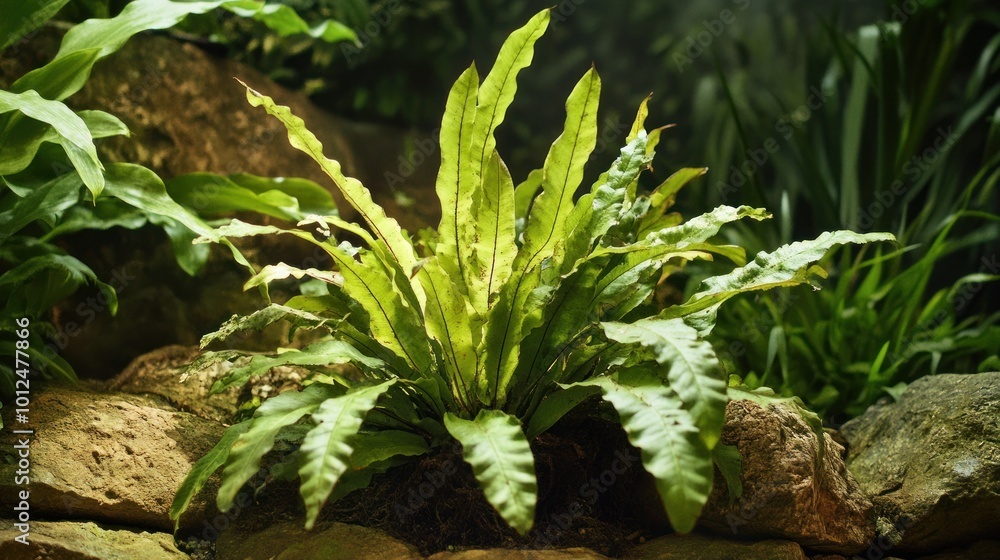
[597, 211]
[21, 17]
[511, 318]
[556, 405]
[706, 226]
[103, 125]
[385, 228]
[494, 248]
[496, 448]
[730, 463]
[250, 446]
[73, 133]
[507, 323]
[284, 21]
[311, 197]
[663, 195]
[375, 447]
[562, 173]
[323, 353]
[35, 285]
[139, 187]
[451, 323]
[493, 192]
[327, 448]
[263, 318]
[58, 81]
[208, 193]
[44, 203]
[497, 90]
[656, 422]
[190, 257]
[203, 470]
[23, 138]
[61, 77]
[786, 266]
[393, 323]
[607, 285]
[456, 183]
[693, 369]
[42, 360]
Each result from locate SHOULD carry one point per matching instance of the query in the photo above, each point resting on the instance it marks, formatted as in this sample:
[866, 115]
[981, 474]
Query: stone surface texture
[159, 373]
[108, 457]
[327, 541]
[932, 462]
[503, 554]
[786, 494]
[700, 547]
[68, 540]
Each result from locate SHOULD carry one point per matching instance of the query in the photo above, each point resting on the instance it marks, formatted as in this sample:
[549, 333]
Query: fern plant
[520, 306]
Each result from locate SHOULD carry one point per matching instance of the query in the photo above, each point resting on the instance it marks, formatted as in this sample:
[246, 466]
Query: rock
[932, 462]
[783, 494]
[979, 551]
[506, 554]
[327, 541]
[701, 547]
[68, 540]
[113, 458]
[159, 373]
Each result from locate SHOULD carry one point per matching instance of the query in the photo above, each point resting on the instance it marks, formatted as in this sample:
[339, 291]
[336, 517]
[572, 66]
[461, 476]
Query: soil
[584, 469]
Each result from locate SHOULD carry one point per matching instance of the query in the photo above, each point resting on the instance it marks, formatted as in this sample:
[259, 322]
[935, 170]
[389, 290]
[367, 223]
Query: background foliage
[893, 82]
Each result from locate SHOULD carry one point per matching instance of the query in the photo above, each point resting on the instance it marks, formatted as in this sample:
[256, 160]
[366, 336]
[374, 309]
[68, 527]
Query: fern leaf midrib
[378, 302]
[530, 263]
[452, 353]
[458, 187]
